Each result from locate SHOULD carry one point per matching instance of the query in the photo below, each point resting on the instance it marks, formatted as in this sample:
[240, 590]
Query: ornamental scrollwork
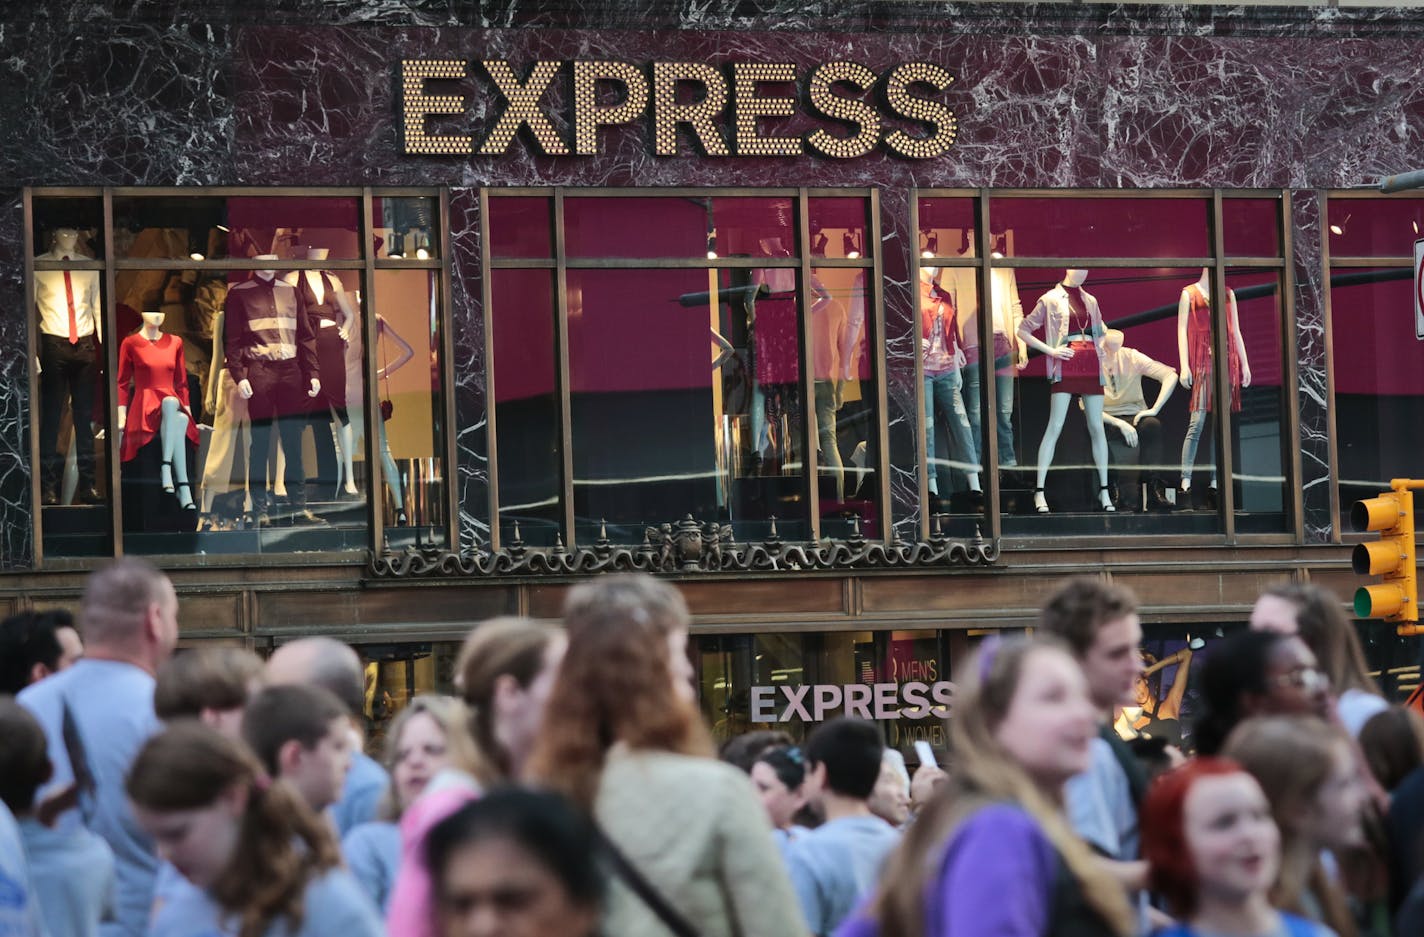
[689, 546]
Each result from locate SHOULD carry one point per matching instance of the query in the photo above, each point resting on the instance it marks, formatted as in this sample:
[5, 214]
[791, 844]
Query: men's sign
[816, 702]
[720, 109]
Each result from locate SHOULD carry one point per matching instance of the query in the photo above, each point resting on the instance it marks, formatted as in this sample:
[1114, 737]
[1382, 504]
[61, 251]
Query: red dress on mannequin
[1199, 353]
[149, 372]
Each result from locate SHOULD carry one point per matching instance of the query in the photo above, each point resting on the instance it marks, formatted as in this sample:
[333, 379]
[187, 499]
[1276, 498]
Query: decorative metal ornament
[689, 547]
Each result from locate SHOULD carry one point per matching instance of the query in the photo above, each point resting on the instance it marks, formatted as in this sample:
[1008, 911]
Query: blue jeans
[942, 395]
[1004, 389]
[1189, 445]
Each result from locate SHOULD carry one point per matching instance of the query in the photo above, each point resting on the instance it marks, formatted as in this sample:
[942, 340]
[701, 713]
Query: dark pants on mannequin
[67, 374]
[1128, 461]
[278, 401]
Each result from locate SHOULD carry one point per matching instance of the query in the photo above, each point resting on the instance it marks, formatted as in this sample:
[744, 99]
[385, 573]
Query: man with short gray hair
[99, 712]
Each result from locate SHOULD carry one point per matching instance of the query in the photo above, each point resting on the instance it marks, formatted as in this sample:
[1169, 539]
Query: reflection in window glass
[84, 216]
[1250, 227]
[521, 227]
[1379, 387]
[526, 405]
[188, 228]
[1105, 408]
[1375, 227]
[1258, 444]
[1100, 227]
[947, 227]
[844, 395]
[412, 428]
[292, 228]
[686, 399]
[952, 445]
[837, 227]
[406, 228]
[69, 326]
[242, 394]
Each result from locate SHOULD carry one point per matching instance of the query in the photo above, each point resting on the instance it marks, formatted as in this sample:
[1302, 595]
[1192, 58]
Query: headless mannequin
[388, 464]
[1058, 413]
[68, 305]
[944, 386]
[332, 335]
[1198, 416]
[173, 427]
[230, 427]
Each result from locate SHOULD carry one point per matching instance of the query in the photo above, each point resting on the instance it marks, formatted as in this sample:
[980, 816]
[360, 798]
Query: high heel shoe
[165, 476]
[186, 503]
[1040, 502]
[1108, 508]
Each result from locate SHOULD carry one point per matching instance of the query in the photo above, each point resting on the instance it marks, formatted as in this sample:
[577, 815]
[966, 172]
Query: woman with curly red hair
[1215, 852]
[625, 742]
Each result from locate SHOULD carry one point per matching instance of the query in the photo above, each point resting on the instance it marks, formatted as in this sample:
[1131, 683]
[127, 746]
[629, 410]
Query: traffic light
[1395, 599]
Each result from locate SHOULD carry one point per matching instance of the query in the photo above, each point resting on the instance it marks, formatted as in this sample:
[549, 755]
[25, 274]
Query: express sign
[814, 702]
[720, 108]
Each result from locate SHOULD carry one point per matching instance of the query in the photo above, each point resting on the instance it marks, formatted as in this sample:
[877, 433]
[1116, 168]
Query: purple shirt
[996, 880]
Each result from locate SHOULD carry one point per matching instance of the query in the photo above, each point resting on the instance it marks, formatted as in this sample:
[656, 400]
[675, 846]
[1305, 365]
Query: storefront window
[1258, 427]
[526, 403]
[73, 400]
[686, 392]
[1379, 389]
[238, 372]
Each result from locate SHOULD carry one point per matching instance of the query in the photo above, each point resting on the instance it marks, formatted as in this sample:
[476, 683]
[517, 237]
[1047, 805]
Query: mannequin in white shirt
[1137, 437]
[68, 304]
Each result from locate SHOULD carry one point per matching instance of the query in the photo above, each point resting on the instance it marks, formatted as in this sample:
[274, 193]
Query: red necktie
[73, 322]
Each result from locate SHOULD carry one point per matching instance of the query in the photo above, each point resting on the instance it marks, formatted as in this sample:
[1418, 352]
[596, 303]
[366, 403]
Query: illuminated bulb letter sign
[719, 111]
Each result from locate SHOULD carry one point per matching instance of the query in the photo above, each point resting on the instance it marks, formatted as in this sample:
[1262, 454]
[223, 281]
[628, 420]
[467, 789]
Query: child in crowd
[211, 684]
[261, 857]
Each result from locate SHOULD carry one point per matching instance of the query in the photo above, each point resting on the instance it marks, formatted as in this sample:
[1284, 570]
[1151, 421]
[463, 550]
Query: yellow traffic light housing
[1392, 557]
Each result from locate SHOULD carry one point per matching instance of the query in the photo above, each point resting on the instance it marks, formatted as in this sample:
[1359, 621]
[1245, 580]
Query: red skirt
[1082, 372]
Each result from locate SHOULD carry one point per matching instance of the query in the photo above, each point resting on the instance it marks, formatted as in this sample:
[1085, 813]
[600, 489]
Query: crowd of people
[572, 789]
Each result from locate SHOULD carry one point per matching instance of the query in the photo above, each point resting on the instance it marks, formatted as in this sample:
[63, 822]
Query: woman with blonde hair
[426, 737]
[504, 674]
[1308, 770]
[689, 844]
[993, 854]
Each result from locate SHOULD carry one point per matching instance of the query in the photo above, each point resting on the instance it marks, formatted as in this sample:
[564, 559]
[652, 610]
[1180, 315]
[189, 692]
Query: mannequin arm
[1166, 380]
[1171, 705]
[210, 399]
[1184, 307]
[348, 314]
[1240, 341]
[1026, 336]
[1128, 430]
[406, 352]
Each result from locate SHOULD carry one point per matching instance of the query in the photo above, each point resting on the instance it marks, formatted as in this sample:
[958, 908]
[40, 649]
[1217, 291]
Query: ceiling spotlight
[711, 255]
[930, 245]
[850, 245]
[818, 243]
[1339, 229]
[196, 256]
[712, 244]
[1416, 226]
[422, 254]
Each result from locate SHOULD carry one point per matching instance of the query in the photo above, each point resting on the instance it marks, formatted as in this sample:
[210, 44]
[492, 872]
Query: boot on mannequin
[1073, 328]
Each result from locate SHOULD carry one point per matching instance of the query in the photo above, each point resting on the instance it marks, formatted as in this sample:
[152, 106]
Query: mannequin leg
[344, 445]
[1004, 403]
[961, 429]
[392, 477]
[1097, 435]
[932, 384]
[70, 479]
[1189, 446]
[827, 436]
[173, 433]
[1057, 414]
[970, 392]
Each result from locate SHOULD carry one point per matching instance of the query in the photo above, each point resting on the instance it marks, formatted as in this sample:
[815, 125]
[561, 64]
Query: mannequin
[1125, 409]
[330, 310]
[1194, 345]
[771, 314]
[231, 428]
[271, 355]
[1010, 355]
[153, 401]
[828, 327]
[943, 360]
[68, 303]
[1073, 327]
[383, 372]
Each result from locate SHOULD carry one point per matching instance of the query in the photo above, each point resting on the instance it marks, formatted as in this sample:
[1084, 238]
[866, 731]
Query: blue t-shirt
[19, 911]
[111, 706]
[373, 853]
[836, 865]
[73, 875]
[334, 904]
[361, 794]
